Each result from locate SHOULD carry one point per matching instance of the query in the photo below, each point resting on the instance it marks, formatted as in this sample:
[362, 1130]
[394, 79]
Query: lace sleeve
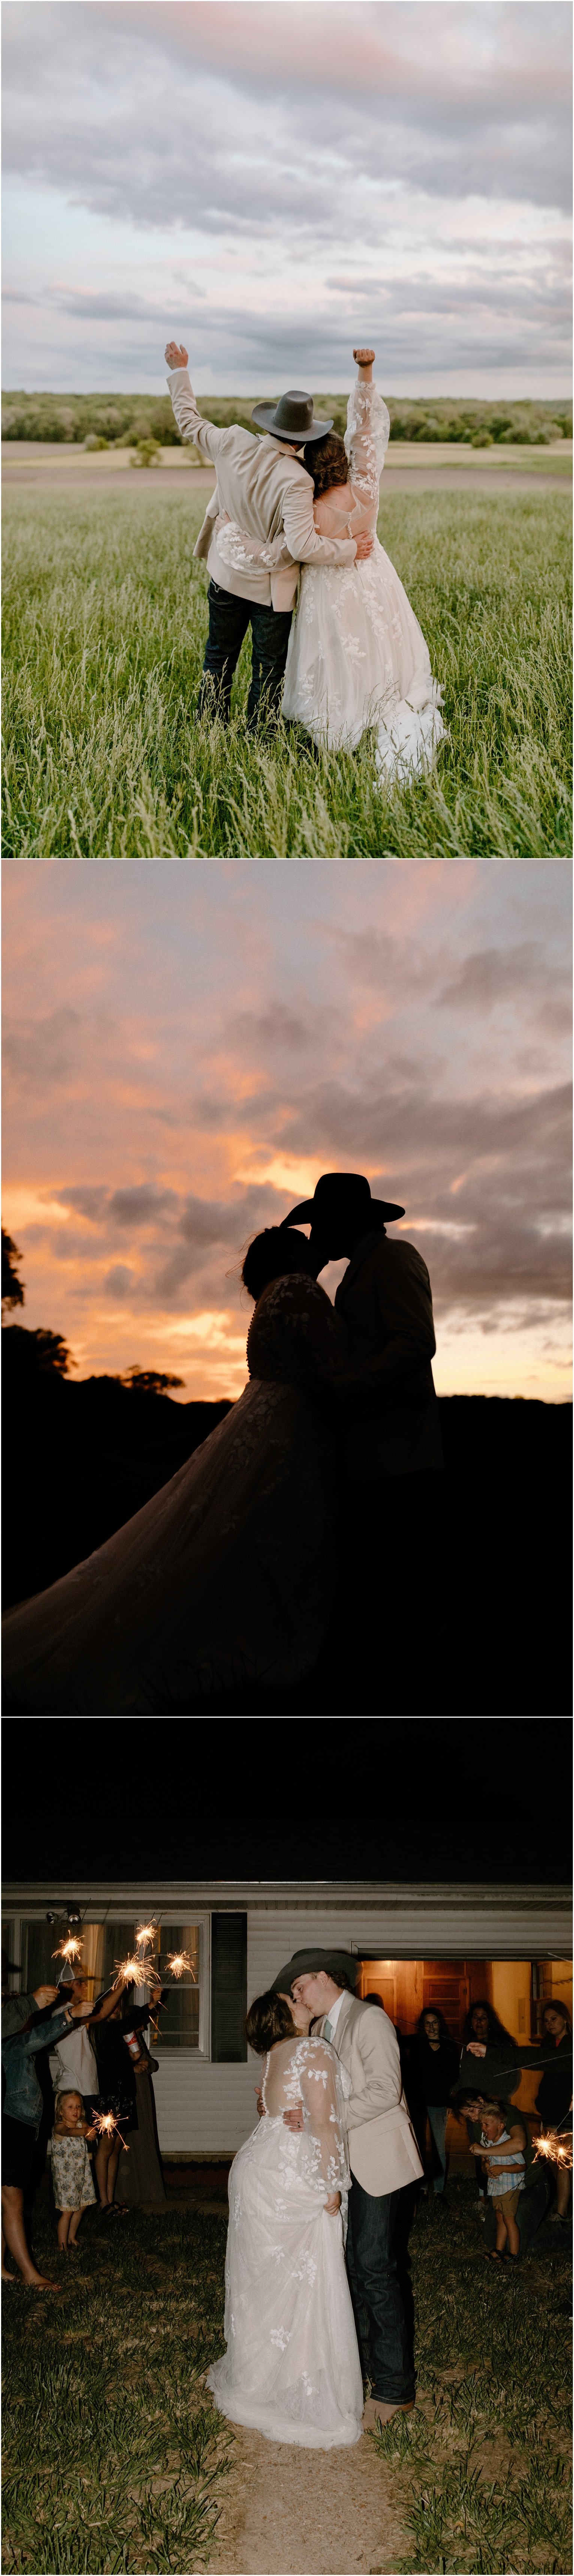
[295, 1333]
[239, 550]
[366, 440]
[320, 2093]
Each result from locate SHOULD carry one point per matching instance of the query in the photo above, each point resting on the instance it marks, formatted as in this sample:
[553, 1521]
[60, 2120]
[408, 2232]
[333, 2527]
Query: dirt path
[289, 2512]
[173, 479]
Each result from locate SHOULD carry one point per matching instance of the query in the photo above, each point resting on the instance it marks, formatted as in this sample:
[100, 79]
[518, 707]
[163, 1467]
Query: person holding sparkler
[554, 2096]
[74, 2191]
[117, 2101]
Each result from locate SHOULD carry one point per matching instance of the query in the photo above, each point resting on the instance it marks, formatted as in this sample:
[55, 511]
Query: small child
[71, 2175]
[503, 2151]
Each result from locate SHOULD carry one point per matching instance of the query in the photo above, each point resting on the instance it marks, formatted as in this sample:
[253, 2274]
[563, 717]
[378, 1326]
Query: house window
[104, 1945]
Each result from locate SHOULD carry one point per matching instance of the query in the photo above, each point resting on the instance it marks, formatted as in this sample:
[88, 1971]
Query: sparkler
[145, 1933]
[69, 1949]
[558, 2151]
[179, 1961]
[105, 2122]
[135, 1972]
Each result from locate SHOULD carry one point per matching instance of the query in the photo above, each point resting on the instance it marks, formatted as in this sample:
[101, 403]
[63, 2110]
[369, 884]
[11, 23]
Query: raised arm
[367, 431]
[190, 421]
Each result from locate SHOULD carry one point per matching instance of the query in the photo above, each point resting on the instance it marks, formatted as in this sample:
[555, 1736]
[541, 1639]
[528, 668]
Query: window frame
[13, 1929]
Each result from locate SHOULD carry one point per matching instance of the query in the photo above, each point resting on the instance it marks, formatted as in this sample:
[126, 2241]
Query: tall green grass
[105, 621]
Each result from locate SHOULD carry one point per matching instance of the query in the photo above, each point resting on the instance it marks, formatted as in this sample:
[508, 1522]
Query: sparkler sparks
[105, 2122]
[145, 1933]
[69, 1949]
[558, 2151]
[135, 1972]
[179, 1961]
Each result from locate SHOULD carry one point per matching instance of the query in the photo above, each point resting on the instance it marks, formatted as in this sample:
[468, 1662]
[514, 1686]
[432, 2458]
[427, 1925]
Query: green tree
[12, 1286]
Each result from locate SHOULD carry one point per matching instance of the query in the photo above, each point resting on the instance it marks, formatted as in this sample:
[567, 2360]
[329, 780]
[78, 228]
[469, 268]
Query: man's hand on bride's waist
[294, 2119]
[364, 547]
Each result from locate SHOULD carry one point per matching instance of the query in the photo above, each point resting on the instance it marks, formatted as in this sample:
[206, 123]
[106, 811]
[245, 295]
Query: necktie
[327, 2033]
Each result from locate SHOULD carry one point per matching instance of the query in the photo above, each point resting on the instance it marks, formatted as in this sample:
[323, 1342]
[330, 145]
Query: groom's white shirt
[383, 2152]
[267, 494]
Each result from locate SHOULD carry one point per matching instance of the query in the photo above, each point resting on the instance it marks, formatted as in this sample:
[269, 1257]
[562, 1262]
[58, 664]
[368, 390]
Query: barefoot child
[71, 2175]
[503, 2152]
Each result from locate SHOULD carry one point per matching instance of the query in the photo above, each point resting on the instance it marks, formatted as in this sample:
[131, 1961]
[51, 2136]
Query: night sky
[461, 1799]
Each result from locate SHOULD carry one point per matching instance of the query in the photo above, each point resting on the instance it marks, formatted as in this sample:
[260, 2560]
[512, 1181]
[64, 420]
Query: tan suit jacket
[391, 1426]
[264, 493]
[383, 2152]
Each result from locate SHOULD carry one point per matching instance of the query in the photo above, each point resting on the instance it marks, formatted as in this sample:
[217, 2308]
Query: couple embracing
[295, 512]
[280, 1532]
[318, 2347]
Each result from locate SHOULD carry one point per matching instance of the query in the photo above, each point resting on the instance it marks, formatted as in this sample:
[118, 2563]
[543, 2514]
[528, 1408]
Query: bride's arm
[367, 431]
[324, 2125]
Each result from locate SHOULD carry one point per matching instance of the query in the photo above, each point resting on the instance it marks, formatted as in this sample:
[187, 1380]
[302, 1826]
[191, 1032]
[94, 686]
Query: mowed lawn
[105, 622]
[115, 2458]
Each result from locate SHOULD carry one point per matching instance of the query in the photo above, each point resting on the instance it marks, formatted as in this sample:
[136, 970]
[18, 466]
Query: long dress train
[225, 1578]
[292, 2365]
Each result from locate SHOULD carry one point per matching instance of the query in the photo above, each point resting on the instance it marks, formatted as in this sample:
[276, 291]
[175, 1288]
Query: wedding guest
[30, 2023]
[535, 2199]
[485, 2039]
[118, 2091]
[73, 2059]
[433, 2064]
[554, 2096]
[502, 2150]
[71, 2171]
[140, 2183]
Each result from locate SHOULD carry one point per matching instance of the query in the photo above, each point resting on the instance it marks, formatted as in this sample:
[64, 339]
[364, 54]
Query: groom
[263, 487]
[384, 2160]
[389, 1414]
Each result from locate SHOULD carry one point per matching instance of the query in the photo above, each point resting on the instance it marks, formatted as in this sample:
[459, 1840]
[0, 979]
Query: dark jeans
[376, 2292]
[229, 619]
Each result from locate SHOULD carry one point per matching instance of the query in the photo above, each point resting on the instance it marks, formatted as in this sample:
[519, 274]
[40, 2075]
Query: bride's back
[342, 512]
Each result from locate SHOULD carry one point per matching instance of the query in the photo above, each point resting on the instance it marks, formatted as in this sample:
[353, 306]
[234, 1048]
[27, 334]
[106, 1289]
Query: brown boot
[375, 2412]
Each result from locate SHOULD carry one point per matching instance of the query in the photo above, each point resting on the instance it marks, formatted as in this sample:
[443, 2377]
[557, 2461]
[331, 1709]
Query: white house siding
[208, 2110]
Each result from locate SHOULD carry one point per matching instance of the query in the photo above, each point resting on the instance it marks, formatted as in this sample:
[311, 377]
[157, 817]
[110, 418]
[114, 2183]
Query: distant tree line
[129, 420]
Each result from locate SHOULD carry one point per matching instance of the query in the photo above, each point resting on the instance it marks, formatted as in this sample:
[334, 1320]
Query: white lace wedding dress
[357, 656]
[226, 1577]
[292, 2365]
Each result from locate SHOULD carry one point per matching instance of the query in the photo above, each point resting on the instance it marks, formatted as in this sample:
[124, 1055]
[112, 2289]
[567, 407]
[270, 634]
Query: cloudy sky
[276, 180]
[189, 1045]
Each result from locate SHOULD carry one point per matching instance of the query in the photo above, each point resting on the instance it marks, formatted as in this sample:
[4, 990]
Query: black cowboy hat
[338, 1964]
[340, 1195]
[291, 418]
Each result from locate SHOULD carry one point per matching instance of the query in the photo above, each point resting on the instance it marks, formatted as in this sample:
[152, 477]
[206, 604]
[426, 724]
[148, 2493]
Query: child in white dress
[71, 2170]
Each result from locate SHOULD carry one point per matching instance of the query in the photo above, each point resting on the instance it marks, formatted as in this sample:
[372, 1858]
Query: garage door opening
[517, 1989]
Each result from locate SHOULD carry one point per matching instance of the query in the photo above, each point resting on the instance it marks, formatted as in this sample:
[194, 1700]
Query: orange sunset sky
[188, 1045]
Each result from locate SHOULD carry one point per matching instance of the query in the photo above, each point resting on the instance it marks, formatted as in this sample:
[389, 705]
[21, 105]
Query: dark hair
[269, 2018]
[562, 2009]
[444, 2032]
[326, 460]
[488, 2102]
[496, 2030]
[278, 1249]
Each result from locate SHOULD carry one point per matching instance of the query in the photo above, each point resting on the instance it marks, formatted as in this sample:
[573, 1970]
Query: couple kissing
[318, 2344]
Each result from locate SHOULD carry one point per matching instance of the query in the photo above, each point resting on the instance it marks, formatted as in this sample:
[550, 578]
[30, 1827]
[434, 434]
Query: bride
[356, 655]
[226, 1577]
[292, 2365]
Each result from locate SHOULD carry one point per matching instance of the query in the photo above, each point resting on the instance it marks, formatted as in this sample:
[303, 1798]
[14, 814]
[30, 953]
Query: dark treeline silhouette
[80, 1458]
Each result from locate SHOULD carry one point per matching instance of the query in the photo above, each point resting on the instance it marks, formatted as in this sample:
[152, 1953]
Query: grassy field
[105, 619]
[114, 2457]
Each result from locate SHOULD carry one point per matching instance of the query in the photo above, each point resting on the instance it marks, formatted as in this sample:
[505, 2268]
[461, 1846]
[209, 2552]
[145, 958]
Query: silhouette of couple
[272, 1548]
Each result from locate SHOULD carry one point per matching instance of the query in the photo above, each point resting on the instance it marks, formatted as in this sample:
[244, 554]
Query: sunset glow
[188, 1046]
